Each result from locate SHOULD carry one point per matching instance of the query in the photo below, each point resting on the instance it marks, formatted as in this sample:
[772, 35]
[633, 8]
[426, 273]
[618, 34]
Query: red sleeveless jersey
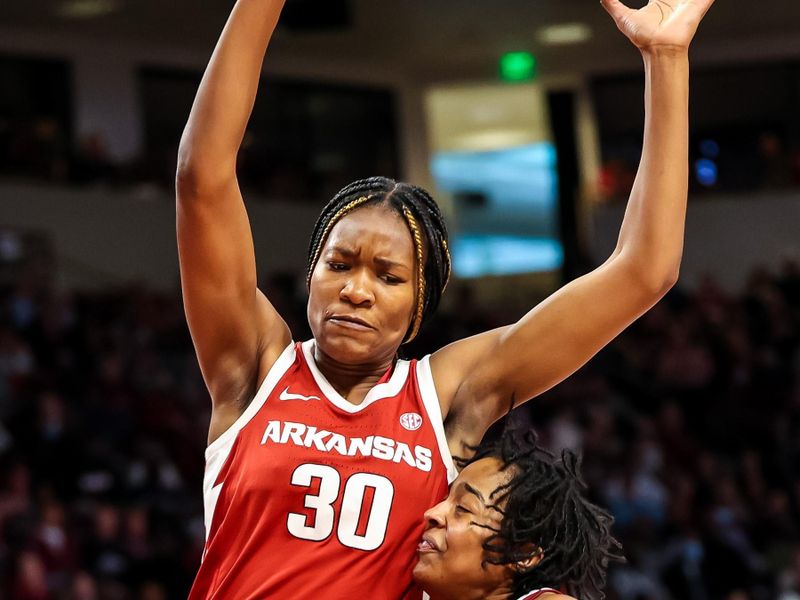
[310, 496]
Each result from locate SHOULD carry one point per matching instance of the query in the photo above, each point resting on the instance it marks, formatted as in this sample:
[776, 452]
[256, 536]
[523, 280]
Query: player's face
[362, 291]
[451, 554]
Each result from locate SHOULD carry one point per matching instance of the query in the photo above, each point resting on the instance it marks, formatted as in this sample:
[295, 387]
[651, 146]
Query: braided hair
[546, 509]
[425, 222]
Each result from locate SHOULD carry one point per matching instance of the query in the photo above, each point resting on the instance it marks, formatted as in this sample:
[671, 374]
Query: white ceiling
[430, 39]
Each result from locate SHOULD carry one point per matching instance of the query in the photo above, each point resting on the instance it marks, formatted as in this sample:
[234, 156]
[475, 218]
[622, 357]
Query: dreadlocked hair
[546, 512]
[424, 220]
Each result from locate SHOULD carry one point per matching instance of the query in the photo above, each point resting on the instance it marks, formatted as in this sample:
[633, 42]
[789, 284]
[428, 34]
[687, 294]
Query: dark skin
[452, 558]
[238, 334]
[365, 272]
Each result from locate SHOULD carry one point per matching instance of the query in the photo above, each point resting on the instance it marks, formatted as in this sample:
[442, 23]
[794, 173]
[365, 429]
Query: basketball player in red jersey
[323, 454]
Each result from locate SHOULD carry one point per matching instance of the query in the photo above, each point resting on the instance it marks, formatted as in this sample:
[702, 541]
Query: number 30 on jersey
[355, 530]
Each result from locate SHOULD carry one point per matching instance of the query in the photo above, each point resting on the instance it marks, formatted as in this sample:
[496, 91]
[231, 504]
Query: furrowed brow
[347, 252]
[389, 264]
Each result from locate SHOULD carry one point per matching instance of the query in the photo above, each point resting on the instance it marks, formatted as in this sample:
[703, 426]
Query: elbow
[653, 279]
[188, 158]
[187, 178]
[190, 172]
[205, 166]
[197, 178]
[667, 280]
[657, 282]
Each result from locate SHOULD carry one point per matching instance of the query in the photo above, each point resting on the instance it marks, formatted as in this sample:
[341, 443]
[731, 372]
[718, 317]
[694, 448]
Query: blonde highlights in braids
[419, 245]
[449, 261]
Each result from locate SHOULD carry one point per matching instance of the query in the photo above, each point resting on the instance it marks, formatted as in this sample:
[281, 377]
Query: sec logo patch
[411, 421]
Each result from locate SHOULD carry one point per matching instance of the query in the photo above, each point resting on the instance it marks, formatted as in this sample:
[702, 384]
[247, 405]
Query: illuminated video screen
[494, 161]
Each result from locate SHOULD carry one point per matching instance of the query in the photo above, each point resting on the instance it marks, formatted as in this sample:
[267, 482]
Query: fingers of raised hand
[697, 8]
[615, 8]
[684, 11]
[702, 6]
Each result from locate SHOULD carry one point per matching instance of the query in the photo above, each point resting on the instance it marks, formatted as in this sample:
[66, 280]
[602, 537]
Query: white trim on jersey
[537, 593]
[525, 597]
[431, 401]
[218, 451]
[380, 392]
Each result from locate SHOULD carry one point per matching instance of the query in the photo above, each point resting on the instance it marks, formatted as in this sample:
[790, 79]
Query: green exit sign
[518, 66]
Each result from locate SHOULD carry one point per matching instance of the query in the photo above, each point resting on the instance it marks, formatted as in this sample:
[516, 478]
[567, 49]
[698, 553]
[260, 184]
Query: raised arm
[477, 377]
[236, 332]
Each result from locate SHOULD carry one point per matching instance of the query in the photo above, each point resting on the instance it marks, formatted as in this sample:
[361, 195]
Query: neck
[353, 382]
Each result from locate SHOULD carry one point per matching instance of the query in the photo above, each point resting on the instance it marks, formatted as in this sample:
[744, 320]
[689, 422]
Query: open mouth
[428, 544]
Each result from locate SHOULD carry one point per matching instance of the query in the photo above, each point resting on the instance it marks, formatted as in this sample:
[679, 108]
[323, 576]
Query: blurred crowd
[689, 424]
[40, 149]
[768, 162]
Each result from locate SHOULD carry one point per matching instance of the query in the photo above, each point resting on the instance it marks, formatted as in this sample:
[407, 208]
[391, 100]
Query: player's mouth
[428, 544]
[350, 322]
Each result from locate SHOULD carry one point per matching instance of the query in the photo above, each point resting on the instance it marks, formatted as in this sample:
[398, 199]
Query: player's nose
[357, 290]
[435, 515]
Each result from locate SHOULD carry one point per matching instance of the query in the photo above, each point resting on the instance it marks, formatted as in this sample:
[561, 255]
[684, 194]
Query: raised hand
[660, 24]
